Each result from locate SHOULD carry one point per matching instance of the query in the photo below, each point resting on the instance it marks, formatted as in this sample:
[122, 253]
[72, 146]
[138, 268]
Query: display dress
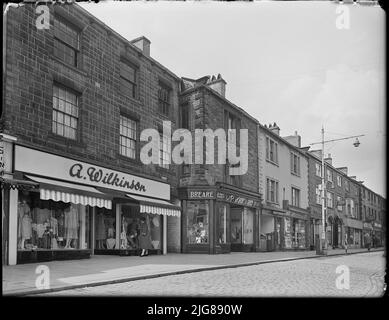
[71, 223]
[22, 210]
[26, 227]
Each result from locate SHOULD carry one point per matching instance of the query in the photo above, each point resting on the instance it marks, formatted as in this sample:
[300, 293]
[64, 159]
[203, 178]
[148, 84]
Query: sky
[301, 64]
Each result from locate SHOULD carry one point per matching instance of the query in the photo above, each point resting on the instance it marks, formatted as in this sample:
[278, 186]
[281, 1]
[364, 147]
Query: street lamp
[323, 240]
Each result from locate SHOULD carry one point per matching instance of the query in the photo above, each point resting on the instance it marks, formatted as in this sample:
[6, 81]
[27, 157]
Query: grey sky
[284, 62]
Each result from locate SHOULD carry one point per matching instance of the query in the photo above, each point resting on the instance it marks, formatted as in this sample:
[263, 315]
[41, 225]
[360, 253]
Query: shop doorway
[242, 228]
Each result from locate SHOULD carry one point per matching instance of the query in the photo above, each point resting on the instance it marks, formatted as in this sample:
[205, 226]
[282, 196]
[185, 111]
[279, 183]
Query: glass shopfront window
[105, 229]
[248, 226]
[298, 233]
[50, 225]
[236, 225]
[222, 223]
[197, 221]
[288, 233]
[139, 233]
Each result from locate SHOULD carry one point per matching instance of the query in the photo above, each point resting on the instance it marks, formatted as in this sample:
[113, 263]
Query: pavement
[27, 279]
[324, 277]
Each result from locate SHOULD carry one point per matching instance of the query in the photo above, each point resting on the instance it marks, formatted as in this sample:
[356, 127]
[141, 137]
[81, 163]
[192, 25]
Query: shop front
[377, 238]
[219, 220]
[367, 233]
[335, 231]
[78, 209]
[353, 232]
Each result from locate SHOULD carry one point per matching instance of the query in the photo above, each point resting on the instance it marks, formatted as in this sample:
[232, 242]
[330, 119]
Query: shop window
[222, 224]
[66, 42]
[288, 233]
[128, 137]
[105, 229]
[128, 79]
[50, 225]
[248, 226]
[298, 233]
[164, 94]
[65, 112]
[139, 230]
[197, 221]
[236, 225]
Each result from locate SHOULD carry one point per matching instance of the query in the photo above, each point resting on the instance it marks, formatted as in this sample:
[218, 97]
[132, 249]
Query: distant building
[283, 180]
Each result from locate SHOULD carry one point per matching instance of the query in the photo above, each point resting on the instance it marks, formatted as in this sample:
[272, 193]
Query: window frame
[161, 151]
[165, 103]
[58, 39]
[64, 113]
[293, 164]
[136, 140]
[318, 168]
[128, 82]
[271, 155]
[270, 183]
[330, 199]
[296, 195]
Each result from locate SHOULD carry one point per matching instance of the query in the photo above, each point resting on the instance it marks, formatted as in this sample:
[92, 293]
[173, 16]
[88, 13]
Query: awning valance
[6, 183]
[69, 192]
[155, 206]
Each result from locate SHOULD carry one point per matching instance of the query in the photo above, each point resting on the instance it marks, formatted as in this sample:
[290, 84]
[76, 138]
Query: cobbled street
[302, 278]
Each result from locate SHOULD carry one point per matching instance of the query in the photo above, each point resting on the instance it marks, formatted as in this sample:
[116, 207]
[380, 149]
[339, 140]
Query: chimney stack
[343, 169]
[328, 159]
[275, 128]
[218, 84]
[142, 43]
[294, 140]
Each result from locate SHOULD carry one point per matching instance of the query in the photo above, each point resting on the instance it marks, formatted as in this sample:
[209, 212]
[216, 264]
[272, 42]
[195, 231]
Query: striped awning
[156, 206]
[69, 192]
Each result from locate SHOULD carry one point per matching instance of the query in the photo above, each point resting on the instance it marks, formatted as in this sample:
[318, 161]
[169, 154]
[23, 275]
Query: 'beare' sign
[56, 167]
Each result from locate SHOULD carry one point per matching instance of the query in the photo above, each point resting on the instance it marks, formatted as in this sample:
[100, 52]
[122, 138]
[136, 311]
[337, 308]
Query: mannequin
[123, 234]
[111, 241]
[26, 228]
[71, 226]
[23, 209]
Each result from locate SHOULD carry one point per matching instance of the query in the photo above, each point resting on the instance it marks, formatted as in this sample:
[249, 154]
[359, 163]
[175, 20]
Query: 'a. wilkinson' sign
[32, 161]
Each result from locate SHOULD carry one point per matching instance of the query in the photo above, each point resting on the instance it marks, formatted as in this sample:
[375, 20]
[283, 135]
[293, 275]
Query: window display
[131, 229]
[50, 225]
[288, 236]
[105, 229]
[222, 223]
[298, 233]
[236, 225]
[197, 221]
[248, 226]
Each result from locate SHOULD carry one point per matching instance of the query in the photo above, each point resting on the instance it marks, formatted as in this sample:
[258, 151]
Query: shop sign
[198, 194]
[367, 225]
[242, 201]
[377, 225]
[56, 167]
